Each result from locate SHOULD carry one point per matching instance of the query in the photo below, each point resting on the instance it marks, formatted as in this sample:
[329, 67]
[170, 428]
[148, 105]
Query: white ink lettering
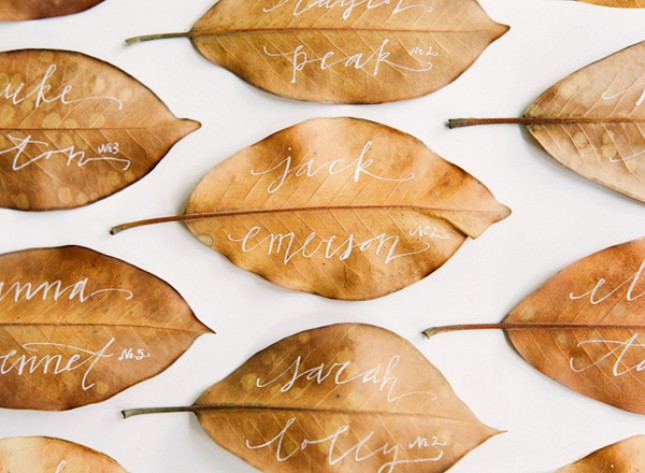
[61, 466]
[347, 6]
[596, 298]
[56, 291]
[620, 350]
[433, 232]
[136, 355]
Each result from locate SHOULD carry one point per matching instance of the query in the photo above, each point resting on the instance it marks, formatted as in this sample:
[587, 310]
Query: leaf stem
[526, 326]
[463, 122]
[153, 37]
[157, 410]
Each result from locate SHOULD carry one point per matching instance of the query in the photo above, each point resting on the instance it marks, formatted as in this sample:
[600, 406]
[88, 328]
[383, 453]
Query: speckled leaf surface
[627, 456]
[74, 129]
[77, 327]
[16, 10]
[51, 455]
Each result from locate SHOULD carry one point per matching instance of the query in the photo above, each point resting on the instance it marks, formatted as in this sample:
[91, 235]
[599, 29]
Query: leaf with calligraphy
[593, 121]
[357, 51]
[12, 10]
[585, 327]
[51, 455]
[627, 456]
[74, 129]
[340, 398]
[78, 327]
[617, 3]
[341, 207]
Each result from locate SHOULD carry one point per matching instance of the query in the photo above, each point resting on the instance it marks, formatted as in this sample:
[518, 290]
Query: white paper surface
[558, 218]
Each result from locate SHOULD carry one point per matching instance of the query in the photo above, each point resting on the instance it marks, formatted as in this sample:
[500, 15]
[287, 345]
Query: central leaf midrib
[214, 32]
[86, 324]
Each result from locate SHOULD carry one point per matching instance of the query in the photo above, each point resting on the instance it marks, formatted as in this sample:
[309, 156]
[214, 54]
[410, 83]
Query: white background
[558, 218]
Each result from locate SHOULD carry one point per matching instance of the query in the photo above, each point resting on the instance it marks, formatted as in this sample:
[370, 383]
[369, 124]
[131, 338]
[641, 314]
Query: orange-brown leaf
[50, 455]
[77, 327]
[617, 3]
[627, 456]
[74, 129]
[12, 10]
[344, 208]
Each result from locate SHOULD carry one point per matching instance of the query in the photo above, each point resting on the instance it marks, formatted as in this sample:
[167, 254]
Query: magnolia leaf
[593, 121]
[74, 129]
[617, 3]
[341, 207]
[585, 327]
[336, 399]
[627, 456]
[12, 10]
[78, 327]
[50, 455]
[367, 51]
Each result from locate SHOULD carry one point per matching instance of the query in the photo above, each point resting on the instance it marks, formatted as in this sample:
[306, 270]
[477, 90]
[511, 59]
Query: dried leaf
[617, 3]
[344, 52]
[12, 10]
[79, 327]
[335, 399]
[627, 456]
[593, 121]
[585, 326]
[75, 129]
[344, 208]
[50, 455]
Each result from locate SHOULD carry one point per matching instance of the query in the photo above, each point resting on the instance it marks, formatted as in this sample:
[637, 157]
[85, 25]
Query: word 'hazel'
[358, 51]
[341, 207]
[79, 327]
[76, 129]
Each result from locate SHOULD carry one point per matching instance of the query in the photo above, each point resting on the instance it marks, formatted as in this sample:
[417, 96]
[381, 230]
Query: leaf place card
[357, 51]
[341, 207]
[337, 399]
[593, 121]
[11, 10]
[585, 327]
[76, 129]
[626, 456]
[51, 455]
[78, 327]
[617, 3]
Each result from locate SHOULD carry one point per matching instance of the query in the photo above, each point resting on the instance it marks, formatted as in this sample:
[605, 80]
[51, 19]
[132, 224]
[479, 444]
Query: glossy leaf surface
[344, 208]
[50, 455]
[627, 456]
[336, 399]
[74, 129]
[345, 52]
[78, 327]
[12, 10]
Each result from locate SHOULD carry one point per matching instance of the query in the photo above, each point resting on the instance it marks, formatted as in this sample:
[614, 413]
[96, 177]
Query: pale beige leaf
[627, 456]
[50, 455]
[74, 129]
[77, 327]
[13, 10]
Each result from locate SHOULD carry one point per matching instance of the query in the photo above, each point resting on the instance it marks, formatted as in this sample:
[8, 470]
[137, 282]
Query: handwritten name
[620, 350]
[42, 92]
[24, 153]
[347, 6]
[600, 294]
[336, 374]
[358, 452]
[55, 290]
[357, 167]
[61, 466]
[606, 95]
[331, 247]
[360, 61]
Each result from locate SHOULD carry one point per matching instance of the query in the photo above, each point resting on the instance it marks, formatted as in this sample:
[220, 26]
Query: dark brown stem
[462, 122]
[524, 326]
[152, 37]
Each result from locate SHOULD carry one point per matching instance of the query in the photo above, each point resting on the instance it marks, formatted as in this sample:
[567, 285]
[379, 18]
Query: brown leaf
[343, 207]
[12, 10]
[627, 456]
[74, 129]
[344, 52]
[585, 326]
[338, 399]
[50, 455]
[79, 327]
[617, 3]
[593, 121]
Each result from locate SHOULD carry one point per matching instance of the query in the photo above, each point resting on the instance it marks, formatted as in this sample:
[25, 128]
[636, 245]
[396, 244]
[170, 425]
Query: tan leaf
[74, 129]
[617, 3]
[338, 399]
[585, 326]
[627, 456]
[345, 52]
[593, 121]
[343, 207]
[78, 327]
[12, 10]
[50, 455]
